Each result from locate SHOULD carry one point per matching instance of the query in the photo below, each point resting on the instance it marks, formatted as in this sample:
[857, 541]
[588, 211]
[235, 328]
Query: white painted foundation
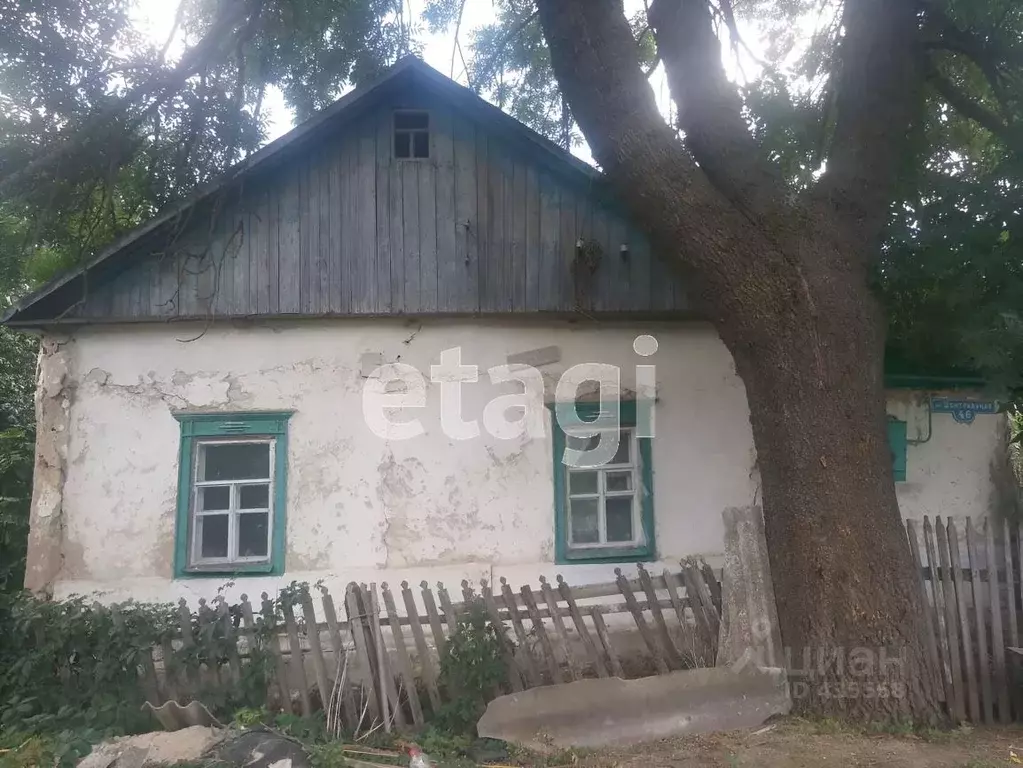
[363, 508]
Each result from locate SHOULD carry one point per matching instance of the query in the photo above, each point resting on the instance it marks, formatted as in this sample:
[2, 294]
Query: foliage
[472, 669]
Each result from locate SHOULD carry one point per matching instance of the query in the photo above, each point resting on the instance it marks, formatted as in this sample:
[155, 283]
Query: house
[345, 360]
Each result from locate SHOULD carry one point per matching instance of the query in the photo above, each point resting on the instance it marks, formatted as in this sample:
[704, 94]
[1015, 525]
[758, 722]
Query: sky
[155, 18]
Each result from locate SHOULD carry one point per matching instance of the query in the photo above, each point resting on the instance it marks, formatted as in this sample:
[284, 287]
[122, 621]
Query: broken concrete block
[156, 748]
[604, 711]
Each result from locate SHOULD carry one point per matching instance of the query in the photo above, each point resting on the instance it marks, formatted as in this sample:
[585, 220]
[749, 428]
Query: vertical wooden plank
[1010, 586]
[422, 650]
[931, 628]
[170, 670]
[580, 627]
[482, 233]
[951, 623]
[964, 623]
[975, 553]
[940, 612]
[532, 673]
[289, 252]
[342, 676]
[312, 633]
[567, 239]
[230, 640]
[514, 673]
[710, 579]
[461, 282]
[641, 625]
[549, 598]
[703, 621]
[497, 294]
[605, 640]
[439, 641]
[383, 214]
[445, 605]
[410, 233]
[553, 668]
[392, 708]
[362, 639]
[259, 253]
[517, 214]
[273, 221]
[676, 602]
[274, 640]
[534, 259]
[1001, 677]
[365, 289]
[295, 656]
[188, 641]
[396, 214]
[348, 170]
[401, 652]
[448, 263]
[326, 242]
[428, 236]
[548, 255]
[673, 657]
[310, 232]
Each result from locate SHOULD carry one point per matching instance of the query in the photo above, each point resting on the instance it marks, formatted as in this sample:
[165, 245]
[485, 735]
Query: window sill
[608, 555]
[220, 571]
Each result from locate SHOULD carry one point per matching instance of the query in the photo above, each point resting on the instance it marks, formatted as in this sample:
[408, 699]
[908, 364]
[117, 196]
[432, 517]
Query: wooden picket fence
[379, 666]
[970, 577]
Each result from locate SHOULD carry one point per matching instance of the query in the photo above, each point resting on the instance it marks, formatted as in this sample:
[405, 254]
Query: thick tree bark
[787, 290]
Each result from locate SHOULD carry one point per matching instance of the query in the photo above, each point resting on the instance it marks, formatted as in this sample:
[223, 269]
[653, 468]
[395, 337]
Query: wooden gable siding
[344, 228]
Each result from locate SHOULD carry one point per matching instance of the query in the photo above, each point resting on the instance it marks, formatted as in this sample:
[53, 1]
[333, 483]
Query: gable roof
[408, 71]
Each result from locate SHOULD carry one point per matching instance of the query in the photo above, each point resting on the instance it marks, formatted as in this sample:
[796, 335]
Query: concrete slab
[602, 712]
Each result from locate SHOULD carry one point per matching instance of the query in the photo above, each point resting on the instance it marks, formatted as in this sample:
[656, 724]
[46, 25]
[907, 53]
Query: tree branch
[976, 111]
[877, 101]
[710, 108]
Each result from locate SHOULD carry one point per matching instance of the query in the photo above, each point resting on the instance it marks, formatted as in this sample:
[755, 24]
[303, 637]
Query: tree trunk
[786, 286]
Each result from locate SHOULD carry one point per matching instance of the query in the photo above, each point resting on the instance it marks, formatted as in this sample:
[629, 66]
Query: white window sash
[602, 495]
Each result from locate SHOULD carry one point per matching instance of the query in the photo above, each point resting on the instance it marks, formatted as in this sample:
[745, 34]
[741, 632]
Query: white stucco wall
[362, 508]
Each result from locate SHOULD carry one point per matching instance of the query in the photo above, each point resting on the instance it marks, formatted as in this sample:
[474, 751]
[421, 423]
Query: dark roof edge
[410, 64]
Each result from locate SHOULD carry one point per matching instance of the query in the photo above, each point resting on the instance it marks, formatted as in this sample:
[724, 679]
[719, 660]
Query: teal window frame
[587, 413]
[197, 427]
[897, 443]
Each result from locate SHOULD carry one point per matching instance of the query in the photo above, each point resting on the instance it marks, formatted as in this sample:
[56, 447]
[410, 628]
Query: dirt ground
[795, 744]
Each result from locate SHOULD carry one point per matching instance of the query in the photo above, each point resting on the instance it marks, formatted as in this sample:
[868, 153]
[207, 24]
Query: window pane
[582, 482]
[212, 536]
[254, 497]
[411, 120]
[217, 497]
[619, 481]
[619, 518]
[235, 461]
[583, 521]
[577, 443]
[624, 449]
[252, 534]
[421, 144]
[402, 145]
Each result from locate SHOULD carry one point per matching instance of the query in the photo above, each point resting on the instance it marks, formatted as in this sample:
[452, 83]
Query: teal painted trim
[253, 424]
[580, 413]
[909, 381]
[897, 444]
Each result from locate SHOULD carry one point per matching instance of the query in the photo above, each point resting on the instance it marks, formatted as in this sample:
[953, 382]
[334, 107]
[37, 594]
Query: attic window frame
[410, 134]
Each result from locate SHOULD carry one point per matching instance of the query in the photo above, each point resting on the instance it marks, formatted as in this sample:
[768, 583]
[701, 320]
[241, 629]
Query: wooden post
[931, 628]
[951, 622]
[425, 660]
[964, 622]
[1001, 677]
[552, 662]
[401, 650]
[532, 673]
[295, 656]
[274, 642]
[973, 549]
[580, 626]
[514, 673]
[671, 652]
[605, 640]
[312, 633]
[340, 661]
[641, 625]
[559, 629]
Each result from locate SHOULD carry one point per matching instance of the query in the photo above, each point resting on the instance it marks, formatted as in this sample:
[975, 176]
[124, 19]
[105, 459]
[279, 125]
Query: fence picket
[362, 639]
[514, 673]
[951, 621]
[964, 622]
[930, 628]
[580, 627]
[671, 652]
[1010, 586]
[711, 580]
[422, 651]
[401, 651]
[641, 625]
[170, 669]
[312, 634]
[545, 642]
[230, 639]
[439, 641]
[559, 628]
[342, 678]
[977, 557]
[450, 617]
[1001, 678]
[187, 642]
[274, 641]
[605, 640]
[295, 656]
[532, 673]
[387, 693]
[940, 614]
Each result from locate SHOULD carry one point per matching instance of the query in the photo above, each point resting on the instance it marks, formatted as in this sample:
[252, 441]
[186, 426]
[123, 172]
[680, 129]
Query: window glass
[411, 135]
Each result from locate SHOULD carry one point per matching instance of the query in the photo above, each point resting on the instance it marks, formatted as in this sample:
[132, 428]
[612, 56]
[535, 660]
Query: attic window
[411, 135]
